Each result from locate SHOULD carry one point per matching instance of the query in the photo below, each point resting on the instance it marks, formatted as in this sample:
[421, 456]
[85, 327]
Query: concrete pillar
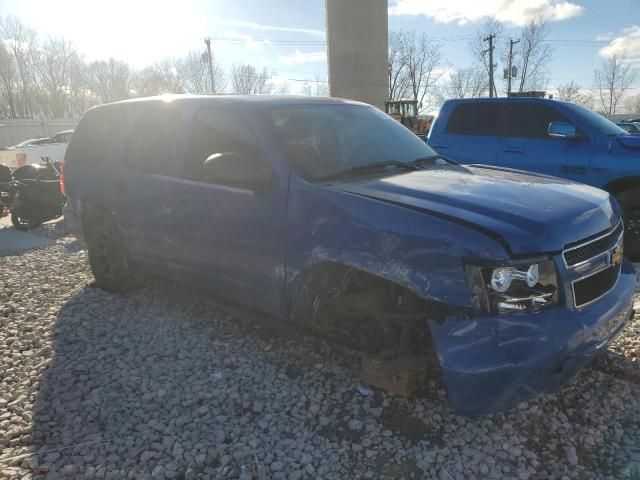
[357, 40]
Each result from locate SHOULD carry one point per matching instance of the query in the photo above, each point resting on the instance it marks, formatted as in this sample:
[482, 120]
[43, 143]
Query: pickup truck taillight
[62, 188]
[21, 158]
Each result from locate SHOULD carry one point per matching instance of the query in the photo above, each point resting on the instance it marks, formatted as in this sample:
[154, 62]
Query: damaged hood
[529, 213]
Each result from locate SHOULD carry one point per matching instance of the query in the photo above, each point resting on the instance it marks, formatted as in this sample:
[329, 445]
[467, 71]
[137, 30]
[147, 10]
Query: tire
[24, 224]
[107, 254]
[630, 203]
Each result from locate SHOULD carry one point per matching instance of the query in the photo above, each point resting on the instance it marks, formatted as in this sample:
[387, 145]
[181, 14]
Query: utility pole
[490, 50]
[509, 73]
[212, 89]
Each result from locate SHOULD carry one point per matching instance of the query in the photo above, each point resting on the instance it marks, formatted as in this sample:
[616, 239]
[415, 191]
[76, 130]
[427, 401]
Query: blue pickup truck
[331, 215]
[550, 137]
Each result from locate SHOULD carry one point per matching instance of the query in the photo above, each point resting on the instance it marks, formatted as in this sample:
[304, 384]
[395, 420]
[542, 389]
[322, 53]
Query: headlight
[520, 287]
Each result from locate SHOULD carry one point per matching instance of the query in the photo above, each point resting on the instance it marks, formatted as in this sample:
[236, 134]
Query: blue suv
[550, 137]
[331, 215]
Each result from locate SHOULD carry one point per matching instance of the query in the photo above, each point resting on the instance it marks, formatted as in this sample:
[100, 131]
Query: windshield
[325, 139]
[598, 121]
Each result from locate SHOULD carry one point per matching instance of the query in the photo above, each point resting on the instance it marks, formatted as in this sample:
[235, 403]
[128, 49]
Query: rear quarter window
[484, 119]
[93, 136]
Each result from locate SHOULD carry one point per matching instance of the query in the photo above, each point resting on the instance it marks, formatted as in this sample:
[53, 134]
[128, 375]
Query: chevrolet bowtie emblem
[616, 253]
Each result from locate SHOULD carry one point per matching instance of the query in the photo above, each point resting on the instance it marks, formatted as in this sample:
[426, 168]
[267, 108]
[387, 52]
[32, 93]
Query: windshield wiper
[372, 167]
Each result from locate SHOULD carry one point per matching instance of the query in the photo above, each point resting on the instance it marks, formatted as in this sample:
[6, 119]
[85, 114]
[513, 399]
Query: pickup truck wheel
[107, 254]
[630, 203]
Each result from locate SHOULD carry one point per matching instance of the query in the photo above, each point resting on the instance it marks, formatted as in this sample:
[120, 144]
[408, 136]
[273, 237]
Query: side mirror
[236, 170]
[562, 130]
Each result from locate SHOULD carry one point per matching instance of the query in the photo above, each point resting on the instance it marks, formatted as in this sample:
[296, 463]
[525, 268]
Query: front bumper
[492, 363]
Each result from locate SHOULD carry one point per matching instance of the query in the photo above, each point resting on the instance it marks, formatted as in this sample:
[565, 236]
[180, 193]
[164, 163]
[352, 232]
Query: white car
[32, 150]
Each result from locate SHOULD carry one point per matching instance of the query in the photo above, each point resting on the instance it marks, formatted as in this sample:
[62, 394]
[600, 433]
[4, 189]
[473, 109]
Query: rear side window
[94, 136]
[216, 130]
[531, 120]
[151, 142]
[484, 118]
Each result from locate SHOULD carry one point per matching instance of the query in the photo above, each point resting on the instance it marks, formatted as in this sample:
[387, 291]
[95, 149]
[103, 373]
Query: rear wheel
[630, 203]
[24, 223]
[107, 253]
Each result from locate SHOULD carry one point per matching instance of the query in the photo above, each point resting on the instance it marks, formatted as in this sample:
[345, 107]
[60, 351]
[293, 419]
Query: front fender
[423, 253]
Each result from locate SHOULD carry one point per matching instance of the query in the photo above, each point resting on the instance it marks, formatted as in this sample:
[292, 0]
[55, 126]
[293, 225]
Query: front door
[231, 239]
[528, 146]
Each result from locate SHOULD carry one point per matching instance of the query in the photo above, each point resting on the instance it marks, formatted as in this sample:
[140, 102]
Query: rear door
[471, 133]
[143, 190]
[528, 146]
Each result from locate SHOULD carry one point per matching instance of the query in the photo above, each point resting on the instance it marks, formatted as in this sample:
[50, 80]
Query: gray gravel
[161, 384]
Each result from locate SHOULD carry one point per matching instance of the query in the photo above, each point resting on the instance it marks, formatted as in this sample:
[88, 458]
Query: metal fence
[15, 131]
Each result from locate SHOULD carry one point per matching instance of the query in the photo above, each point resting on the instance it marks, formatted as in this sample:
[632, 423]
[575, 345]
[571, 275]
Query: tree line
[49, 78]
[418, 70]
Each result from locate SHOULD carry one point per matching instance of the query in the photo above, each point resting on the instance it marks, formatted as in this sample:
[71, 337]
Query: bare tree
[478, 47]
[283, 88]
[469, 82]
[246, 80]
[195, 74]
[573, 92]
[316, 87]
[81, 97]
[54, 66]
[21, 43]
[612, 81]
[424, 64]
[109, 80]
[633, 105]
[166, 71]
[533, 55]
[8, 84]
[397, 72]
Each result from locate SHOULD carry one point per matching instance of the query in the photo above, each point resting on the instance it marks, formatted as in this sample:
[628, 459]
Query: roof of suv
[261, 99]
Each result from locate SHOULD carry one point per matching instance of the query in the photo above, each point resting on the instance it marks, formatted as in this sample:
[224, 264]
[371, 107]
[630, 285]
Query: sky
[287, 36]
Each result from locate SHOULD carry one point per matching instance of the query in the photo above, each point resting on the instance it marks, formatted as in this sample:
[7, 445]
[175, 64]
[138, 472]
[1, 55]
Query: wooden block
[400, 376]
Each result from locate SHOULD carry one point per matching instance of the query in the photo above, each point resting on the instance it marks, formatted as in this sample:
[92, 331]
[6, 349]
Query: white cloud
[248, 40]
[605, 37]
[300, 57]
[231, 22]
[515, 12]
[626, 43]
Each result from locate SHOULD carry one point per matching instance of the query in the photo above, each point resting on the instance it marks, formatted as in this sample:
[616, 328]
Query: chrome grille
[585, 251]
[590, 288]
[599, 259]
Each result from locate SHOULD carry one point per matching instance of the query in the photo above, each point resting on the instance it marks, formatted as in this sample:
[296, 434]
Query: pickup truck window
[482, 118]
[531, 120]
[325, 139]
[216, 130]
[601, 124]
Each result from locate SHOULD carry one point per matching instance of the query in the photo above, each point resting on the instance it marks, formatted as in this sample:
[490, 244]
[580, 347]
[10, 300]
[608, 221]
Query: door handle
[121, 187]
[441, 145]
[513, 150]
[185, 204]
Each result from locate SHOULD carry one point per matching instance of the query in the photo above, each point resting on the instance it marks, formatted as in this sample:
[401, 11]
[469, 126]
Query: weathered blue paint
[418, 229]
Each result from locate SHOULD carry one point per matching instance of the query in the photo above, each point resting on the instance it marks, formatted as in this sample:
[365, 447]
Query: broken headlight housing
[517, 288]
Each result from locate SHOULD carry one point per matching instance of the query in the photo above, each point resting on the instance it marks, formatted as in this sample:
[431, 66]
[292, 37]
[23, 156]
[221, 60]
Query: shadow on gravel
[159, 383]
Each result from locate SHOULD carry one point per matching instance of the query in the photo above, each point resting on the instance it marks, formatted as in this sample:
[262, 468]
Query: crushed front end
[537, 322]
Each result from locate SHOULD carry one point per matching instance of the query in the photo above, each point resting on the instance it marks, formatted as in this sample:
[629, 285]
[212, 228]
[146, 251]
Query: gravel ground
[161, 384]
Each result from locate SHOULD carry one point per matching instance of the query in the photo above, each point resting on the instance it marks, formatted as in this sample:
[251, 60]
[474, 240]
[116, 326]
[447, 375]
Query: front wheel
[107, 254]
[24, 223]
[630, 203]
